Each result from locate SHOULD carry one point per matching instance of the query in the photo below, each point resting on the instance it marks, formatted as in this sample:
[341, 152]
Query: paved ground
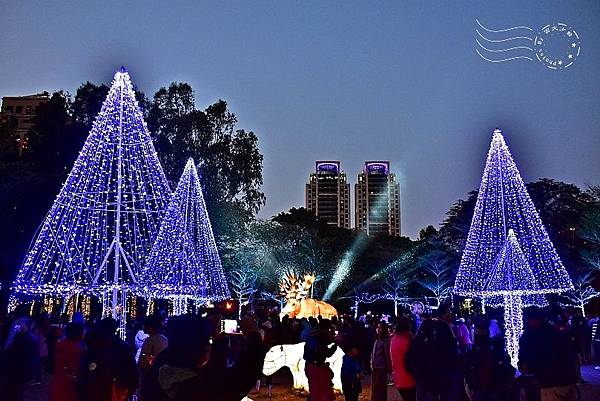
[281, 389]
[281, 392]
[590, 391]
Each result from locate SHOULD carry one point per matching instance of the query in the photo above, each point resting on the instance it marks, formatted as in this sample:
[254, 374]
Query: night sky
[353, 81]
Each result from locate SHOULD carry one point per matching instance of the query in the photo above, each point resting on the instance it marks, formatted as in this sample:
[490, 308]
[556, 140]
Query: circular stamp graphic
[557, 46]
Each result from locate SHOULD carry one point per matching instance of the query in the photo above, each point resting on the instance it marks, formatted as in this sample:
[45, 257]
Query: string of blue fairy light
[97, 234]
[184, 262]
[508, 259]
[502, 204]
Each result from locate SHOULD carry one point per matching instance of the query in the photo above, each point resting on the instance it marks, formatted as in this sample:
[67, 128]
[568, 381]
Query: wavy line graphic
[502, 30]
[502, 40]
[504, 59]
[502, 50]
[504, 43]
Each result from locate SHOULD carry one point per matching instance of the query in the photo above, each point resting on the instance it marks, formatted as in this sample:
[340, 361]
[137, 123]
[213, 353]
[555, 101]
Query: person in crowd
[185, 370]
[399, 345]
[138, 341]
[544, 352]
[351, 374]
[432, 359]
[580, 335]
[565, 331]
[463, 336]
[291, 330]
[595, 338]
[450, 373]
[318, 347]
[524, 387]
[55, 333]
[368, 334]
[108, 371]
[153, 344]
[67, 358]
[494, 329]
[267, 335]
[38, 333]
[20, 354]
[488, 371]
[421, 362]
[381, 364]
[307, 325]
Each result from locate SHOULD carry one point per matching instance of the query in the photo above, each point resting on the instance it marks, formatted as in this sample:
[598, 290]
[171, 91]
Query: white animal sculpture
[290, 355]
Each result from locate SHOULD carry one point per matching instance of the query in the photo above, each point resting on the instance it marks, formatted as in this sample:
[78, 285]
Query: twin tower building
[376, 197]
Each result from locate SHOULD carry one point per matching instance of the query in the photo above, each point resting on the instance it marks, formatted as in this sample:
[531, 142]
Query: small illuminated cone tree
[508, 257]
[97, 234]
[184, 263]
[512, 284]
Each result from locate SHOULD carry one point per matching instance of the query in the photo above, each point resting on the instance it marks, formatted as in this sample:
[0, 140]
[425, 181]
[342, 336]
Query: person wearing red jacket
[67, 362]
[399, 345]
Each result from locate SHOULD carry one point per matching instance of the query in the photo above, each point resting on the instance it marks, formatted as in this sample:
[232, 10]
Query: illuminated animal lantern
[299, 305]
[290, 355]
[308, 307]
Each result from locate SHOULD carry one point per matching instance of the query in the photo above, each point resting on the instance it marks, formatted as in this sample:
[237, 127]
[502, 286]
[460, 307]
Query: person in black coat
[488, 371]
[108, 368]
[433, 361]
[19, 360]
[545, 352]
[189, 370]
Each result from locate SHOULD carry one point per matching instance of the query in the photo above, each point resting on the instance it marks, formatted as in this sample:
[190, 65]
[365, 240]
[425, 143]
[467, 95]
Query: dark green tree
[299, 217]
[55, 139]
[228, 158]
[87, 103]
[455, 228]
[590, 231]
[560, 205]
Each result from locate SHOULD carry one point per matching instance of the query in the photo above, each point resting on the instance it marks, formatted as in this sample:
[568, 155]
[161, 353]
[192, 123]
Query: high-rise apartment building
[377, 200]
[328, 194]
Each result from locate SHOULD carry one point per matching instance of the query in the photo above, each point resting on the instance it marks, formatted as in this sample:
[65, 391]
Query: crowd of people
[176, 358]
[179, 358]
[441, 358]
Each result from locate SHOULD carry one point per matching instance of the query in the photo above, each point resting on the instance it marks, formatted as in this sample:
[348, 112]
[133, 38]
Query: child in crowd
[351, 374]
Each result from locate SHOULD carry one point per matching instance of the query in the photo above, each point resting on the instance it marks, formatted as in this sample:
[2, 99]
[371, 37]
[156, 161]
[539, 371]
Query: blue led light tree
[97, 234]
[508, 258]
[184, 262]
[512, 284]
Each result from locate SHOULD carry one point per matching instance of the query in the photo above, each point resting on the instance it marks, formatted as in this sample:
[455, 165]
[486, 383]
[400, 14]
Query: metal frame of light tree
[505, 219]
[184, 263]
[96, 236]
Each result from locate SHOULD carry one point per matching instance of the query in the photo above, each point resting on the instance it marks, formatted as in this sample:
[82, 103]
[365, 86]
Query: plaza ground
[282, 384]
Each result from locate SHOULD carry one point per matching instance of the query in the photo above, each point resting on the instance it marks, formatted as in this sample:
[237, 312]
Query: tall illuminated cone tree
[103, 223]
[508, 258]
[184, 262]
